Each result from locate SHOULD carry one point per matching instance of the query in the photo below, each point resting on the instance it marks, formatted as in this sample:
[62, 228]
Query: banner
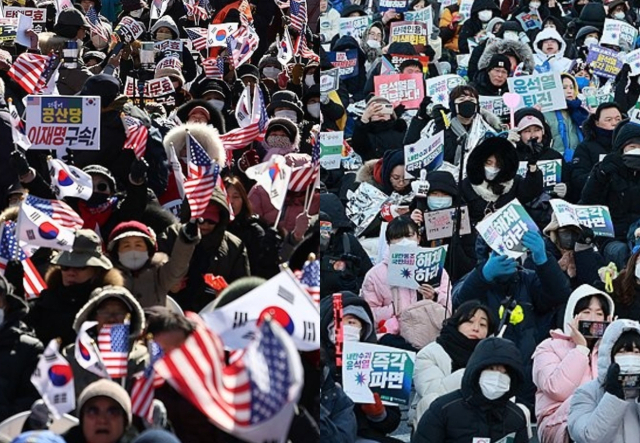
[598, 218]
[411, 266]
[544, 90]
[38, 15]
[331, 149]
[405, 89]
[168, 48]
[411, 32]
[346, 62]
[604, 61]
[551, 172]
[397, 59]
[59, 122]
[503, 230]
[529, 20]
[398, 5]
[369, 368]
[494, 105]
[217, 34]
[427, 153]
[619, 33]
[153, 88]
[439, 224]
[438, 88]
[354, 26]
[329, 81]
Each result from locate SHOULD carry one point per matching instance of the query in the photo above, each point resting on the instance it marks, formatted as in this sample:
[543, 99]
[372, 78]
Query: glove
[498, 266]
[139, 169]
[40, 417]
[513, 136]
[190, 230]
[560, 189]
[534, 243]
[611, 384]
[424, 105]
[586, 236]
[437, 115]
[399, 110]
[375, 410]
[248, 159]
[18, 162]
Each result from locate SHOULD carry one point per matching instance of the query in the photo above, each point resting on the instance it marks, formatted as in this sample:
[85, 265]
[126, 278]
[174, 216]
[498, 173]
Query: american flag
[58, 210]
[198, 37]
[309, 278]
[143, 389]
[201, 178]
[137, 135]
[304, 176]
[113, 344]
[298, 14]
[9, 250]
[97, 28]
[243, 397]
[241, 44]
[194, 10]
[27, 71]
[240, 137]
[246, 17]
[214, 68]
[303, 50]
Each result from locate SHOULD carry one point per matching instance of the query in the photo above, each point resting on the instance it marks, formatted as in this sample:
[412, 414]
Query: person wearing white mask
[475, 27]
[480, 410]
[372, 43]
[603, 409]
[617, 10]
[286, 104]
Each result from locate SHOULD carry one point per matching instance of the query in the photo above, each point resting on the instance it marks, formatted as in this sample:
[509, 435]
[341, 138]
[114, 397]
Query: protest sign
[619, 33]
[494, 105]
[61, 122]
[503, 230]
[329, 81]
[595, 97]
[424, 15]
[439, 224]
[169, 48]
[465, 10]
[354, 26]
[129, 29]
[331, 149]
[38, 15]
[169, 62]
[397, 59]
[24, 24]
[604, 61]
[8, 31]
[154, 88]
[346, 62]
[529, 20]
[551, 172]
[539, 89]
[397, 5]
[427, 153]
[596, 217]
[411, 266]
[411, 32]
[405, 89]
[438, 88]
[369, 368]
[633, 60]
[217, 34]
[364, 205]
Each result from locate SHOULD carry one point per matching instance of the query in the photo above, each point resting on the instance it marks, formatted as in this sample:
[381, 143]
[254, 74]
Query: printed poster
[604, 61]
[397, 5]
[438, 88]
[405, 89]
[596, 217]
[427, 153]
[329, 81]
[494, 105]
[354, 26]
[619, 33]
[439, 224]
[411, 266]
[331, 149]
[346, 62]
[539, 89]
[411, 32]
[551, 172]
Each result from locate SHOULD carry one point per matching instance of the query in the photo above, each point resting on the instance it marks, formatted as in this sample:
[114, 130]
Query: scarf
[96, 216]
[457, 345]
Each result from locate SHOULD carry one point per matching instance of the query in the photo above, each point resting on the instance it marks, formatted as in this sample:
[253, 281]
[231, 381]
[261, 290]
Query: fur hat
[206, 135]
[285, 99]
[132, 229]
[287, 126]
[109, 389]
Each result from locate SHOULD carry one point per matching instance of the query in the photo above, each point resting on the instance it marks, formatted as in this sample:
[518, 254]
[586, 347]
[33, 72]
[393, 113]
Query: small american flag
[201, 178]
[114, 348]
[214, 68]
[27, 70]
[310, 279]
[198, 37]
[58, 210]
[9, 250]
[304, 176]
[240, 137]
[137, 135]
[303, 50]
[143, 389]
[298, 14]
[241, 45]
[97, 28]
[194, 10]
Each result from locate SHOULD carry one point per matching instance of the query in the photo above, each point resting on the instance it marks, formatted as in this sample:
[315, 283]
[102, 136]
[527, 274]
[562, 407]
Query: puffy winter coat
[371, 140]
[557, 62]
[483, 53]
[473, 25]
[589, 152]
[448, 35]
[337, 419]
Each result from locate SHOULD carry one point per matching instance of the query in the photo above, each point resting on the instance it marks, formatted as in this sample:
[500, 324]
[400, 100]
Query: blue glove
[498, 266]
[533, 242]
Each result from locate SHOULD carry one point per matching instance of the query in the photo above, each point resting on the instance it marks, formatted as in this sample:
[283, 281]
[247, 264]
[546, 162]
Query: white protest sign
[551, 171]
[438, 88]
[369, 368]
[129, 29]
[619, 33]
[539, 89]
[411, 266]
[169, 62]
[24, 24]
[596, 217]
[439, 224]
[427, 153]
[60, 122]
[503, 230]
[494, 105]
[37, 15]
[329, 80]
[633, 60]
[218, 33]
[354, 26]
[331, 149]
[424, 15]
[169, 48]
[154, 88]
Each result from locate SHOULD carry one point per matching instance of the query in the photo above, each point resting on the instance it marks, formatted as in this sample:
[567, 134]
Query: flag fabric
[304, 176]
[86, 351]
[176, 168]
[97, 28]
[47, 84]
[136, 135]
[220, 185]
[244, 108]
[61, 5]
[240, 137]
[282, 4]
[281, 297]
[18, 130]
[274, 177]
[58, 210]
[53, 378]
[27, 70]
[114, 348]
[214, 68]
[35, 228]
[194, 10]
[310, 279]
[32, 281]
[69, 181]
[246, 17]
[198, 37]
[285, 48]
[158, 8]
[303, 49]
[201, 177]
[298, 14]
[252, 398]
[143, 389]
[241, 44]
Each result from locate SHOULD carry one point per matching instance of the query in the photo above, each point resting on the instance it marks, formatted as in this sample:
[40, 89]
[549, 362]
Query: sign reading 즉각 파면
[604, 61]
[411, 266]
[551, 172]
[596, 217]
[494, 105]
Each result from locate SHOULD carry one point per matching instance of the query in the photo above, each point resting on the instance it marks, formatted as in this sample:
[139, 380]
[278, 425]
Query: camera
[592, 329]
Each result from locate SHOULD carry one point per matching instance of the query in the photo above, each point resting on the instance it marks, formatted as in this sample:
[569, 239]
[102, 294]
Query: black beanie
[390, 160]
[499, 61]
[625, 133]
[442, 181]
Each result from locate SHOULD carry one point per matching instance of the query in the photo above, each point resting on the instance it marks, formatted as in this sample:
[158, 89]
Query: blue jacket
[337, 419]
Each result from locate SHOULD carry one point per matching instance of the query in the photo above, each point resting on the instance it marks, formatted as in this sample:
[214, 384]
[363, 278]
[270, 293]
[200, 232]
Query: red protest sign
[406, 89]
[397, 59]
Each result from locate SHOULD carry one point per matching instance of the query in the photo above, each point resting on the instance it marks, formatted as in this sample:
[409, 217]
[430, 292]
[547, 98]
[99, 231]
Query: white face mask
[490, 172]
[373, 44]
[163, 36]
[434, 202]
[407, 242]
[534, 5]
[271, 72]
[637, 270]
[309, 80]
[590, 41]
[133, 260]
[291, 115]
[494, 384]
[512, 36]
[485, 16]
[629, 363]
[314, 110]
[218, 104]
[619, 15]
[635, 151]
[350, 333]
[137, 13]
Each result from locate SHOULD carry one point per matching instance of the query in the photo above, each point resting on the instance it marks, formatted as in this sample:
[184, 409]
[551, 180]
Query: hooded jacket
[589, 152]
[466, 414]
[206, 135]
[216, 118]
[559, 368]
[355, 85]
[371, 140]
[448, 35]
[557, 62]
[519, 50]
[598, 416]
[473, 25]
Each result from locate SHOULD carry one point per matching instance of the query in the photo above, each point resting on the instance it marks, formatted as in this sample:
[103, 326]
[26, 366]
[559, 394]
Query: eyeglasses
[112, 412]
[117, 315]
[77, 268]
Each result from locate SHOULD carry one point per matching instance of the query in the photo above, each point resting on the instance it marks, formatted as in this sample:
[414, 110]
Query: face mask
[291, 115]
[314, 110]
[467, 109]
[485, 16]
[373, 44]
[490, 172]
[271, 72]
[638, 270]
[513, 36]
[494, 384]
[97, 199]
[218, 104]
[582, 82]
[590, 41]
[407, 242]
[619, 16]
[309, 80]
[567, 239]
[163, 36]
[278, 142]
[350, 333]
[534, 5]
[629, 364]
[133, 260]
[434, 202]
[632, 160]
[607, 133]
[137, 13]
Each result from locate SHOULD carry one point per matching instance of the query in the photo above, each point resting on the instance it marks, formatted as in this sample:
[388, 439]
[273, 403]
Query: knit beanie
[109, 389]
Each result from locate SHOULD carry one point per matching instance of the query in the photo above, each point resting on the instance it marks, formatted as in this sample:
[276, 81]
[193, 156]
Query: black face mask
[631, 161]
[567, 239]
[535, 146]
[97, 198]
[467, 109]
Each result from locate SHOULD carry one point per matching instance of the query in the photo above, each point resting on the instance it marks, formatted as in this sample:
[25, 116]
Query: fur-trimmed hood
[549, 34]
[492, 119]
[505, 153]
[206, 135]
[520, 50]
[215, 117]
[366, 172]
[53, 278]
